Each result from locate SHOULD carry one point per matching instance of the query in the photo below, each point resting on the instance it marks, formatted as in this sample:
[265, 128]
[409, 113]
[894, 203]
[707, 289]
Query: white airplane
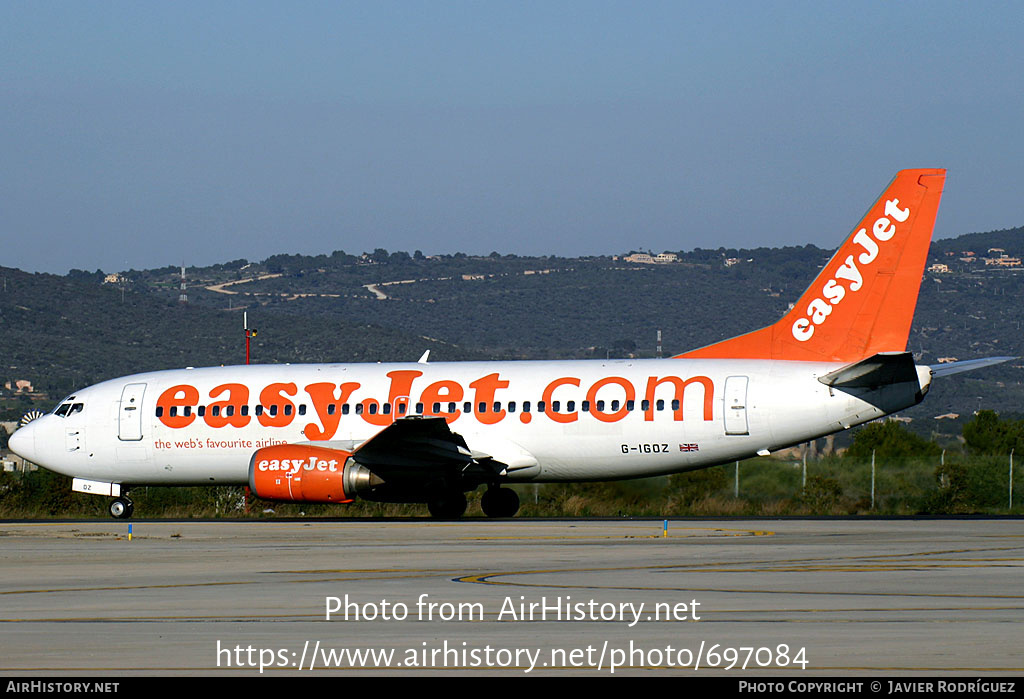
[426, 432]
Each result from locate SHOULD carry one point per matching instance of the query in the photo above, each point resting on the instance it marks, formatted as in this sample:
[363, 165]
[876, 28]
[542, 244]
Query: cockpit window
[68, 408]
[63, 407]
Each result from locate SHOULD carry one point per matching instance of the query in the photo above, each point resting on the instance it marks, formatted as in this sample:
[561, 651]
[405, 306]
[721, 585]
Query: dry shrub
[717, 506]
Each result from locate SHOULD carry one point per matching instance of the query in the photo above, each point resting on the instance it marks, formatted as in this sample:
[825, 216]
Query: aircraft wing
[415, 442]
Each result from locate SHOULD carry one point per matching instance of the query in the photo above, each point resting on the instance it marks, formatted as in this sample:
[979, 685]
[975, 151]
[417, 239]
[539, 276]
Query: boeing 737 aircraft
[430, 432]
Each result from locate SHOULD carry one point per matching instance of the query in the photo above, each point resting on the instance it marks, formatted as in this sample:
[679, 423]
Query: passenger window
[467, 407]
[436, 408]
[159, 411]
[586, 406]
[373, 408]
[645, 405]
[556, 406]
[345, 409]
[675, 404]
[526, 406]
[288, 409]
[302, 409]
[202, 411]
[245, 410]
[497, 407]
[419, 408]
[511, 406]
[359, 408]
[661, 404]
[630, 405]
[174, 411]
[540, 406]
[599, 406]
[259, 410]
[451, 407]
[215, 411]
[386, 408]
[273, 411]
[483, 407]
[615, 405]
[332, 408]
[229, 410]
[570, 406]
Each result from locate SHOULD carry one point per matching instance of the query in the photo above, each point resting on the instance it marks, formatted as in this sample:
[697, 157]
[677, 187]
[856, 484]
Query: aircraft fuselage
[547, 421]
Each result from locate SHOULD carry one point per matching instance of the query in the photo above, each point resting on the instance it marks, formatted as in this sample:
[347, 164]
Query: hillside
[66, 332]
[63, 332]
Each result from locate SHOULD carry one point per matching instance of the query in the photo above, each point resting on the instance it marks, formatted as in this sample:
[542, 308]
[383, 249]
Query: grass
[767, 487]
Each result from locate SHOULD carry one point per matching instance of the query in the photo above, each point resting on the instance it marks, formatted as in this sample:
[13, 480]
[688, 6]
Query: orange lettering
[401, 386]
[177, 397]
[680, 389]
[442, 392]
[621, 412]
[485, 388]
[322, 395]
[546, 397]
[273, 395]
[238, 395]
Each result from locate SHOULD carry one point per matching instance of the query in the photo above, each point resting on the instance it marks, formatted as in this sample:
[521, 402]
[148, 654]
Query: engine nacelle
[304, 473]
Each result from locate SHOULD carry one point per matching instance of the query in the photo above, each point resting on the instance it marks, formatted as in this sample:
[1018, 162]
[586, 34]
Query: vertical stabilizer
[863, 301]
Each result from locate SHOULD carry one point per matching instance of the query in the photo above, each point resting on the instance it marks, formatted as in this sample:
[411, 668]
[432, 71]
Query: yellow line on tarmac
[108, 588]
[673, 533]
[488, 579]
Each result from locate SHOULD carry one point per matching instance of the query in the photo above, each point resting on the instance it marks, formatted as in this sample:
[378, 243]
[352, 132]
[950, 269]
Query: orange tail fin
[863, 301]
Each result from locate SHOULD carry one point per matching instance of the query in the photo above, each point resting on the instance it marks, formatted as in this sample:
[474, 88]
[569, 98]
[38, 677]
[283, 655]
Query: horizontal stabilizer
[967, 365]
[883, 369]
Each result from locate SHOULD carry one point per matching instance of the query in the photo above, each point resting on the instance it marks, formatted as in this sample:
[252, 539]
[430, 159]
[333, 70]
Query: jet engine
[305, 473]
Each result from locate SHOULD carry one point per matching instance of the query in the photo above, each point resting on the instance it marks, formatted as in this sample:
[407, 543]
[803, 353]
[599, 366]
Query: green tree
[691, 486]
[890, 441]
[821, 494]
[987, 434]
[955, 493]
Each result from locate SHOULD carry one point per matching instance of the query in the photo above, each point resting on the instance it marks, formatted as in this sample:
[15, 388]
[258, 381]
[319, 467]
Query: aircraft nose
[23, 442]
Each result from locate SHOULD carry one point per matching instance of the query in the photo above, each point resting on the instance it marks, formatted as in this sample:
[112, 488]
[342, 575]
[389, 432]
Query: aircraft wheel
[500, 502]
[448, 505]
[121, 508]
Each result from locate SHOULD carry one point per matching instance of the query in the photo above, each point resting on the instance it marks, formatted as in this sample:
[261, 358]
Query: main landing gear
[496, 502]
[448, 505]
[500, 502]
[121, 508]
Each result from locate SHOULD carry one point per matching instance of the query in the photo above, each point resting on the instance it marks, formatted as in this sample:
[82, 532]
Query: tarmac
[516, 597]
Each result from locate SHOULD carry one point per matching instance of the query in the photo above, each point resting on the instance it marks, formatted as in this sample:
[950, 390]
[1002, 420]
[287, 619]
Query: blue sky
[142, 134]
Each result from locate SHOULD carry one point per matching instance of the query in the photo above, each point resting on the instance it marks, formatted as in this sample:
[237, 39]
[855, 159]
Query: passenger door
[129, 423]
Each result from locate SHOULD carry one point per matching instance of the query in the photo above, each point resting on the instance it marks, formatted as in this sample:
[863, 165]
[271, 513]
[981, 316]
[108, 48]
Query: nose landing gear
[121, 508]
